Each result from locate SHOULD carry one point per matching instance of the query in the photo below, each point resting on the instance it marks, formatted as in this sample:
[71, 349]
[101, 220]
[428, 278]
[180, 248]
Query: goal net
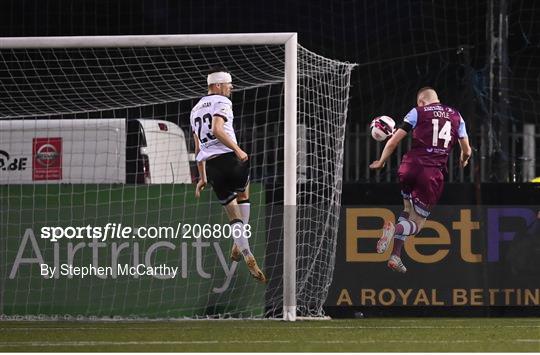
[95, 133]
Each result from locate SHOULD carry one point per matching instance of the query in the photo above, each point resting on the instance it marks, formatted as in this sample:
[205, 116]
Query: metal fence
[361, 150]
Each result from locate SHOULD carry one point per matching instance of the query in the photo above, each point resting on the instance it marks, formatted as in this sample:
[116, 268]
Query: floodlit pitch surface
[373, 335]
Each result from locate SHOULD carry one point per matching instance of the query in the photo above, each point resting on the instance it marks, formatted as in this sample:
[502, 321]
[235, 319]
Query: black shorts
[228, 176]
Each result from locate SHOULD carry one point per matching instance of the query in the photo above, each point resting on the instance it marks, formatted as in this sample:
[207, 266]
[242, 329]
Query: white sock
[242, 242]
[399, 236]
[244, 210]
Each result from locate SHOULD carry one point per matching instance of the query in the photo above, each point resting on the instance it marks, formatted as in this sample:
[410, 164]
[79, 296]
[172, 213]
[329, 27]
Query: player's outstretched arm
[201, 167]
[389, 148]
[466, 151]
[223, 137]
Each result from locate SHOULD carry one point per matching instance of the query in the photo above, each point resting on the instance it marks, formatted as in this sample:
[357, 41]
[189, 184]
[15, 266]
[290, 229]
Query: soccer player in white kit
[222, 163]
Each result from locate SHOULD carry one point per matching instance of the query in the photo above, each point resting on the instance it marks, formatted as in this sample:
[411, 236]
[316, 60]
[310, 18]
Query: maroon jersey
[435, 129]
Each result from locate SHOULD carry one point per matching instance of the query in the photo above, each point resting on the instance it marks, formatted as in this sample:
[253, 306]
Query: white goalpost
[292, 108]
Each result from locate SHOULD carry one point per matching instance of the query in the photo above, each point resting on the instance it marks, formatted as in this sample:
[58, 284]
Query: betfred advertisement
[47, 159]
[465, 256]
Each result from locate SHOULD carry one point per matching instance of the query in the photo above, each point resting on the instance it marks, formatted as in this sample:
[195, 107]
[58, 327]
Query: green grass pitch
[373, 335]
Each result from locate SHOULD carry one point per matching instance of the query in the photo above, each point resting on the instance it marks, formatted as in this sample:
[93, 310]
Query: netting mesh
[128, 91]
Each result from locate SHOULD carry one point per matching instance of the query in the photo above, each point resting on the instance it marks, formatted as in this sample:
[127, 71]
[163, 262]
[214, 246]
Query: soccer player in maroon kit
[435, 128]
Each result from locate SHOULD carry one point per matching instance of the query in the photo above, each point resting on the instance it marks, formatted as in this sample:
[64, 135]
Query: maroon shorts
[422, 185]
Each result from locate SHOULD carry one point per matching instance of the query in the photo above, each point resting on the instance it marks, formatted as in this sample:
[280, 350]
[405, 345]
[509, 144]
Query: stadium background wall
[399, 45]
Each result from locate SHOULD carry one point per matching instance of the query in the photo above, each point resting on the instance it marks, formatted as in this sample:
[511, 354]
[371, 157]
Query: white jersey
[201, 124]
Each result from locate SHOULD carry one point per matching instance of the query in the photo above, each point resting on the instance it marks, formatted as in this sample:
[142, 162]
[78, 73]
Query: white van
[78, 151]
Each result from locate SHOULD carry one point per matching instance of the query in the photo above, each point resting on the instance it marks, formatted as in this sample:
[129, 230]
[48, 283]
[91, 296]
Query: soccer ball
[382, 127]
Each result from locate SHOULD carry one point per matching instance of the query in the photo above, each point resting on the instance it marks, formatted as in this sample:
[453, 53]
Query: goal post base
[289, 313]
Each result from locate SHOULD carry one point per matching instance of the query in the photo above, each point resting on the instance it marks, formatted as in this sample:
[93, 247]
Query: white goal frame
[290, 40]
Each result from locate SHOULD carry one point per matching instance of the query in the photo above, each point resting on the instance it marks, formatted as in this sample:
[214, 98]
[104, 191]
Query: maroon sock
[398, 244]
[406, 228]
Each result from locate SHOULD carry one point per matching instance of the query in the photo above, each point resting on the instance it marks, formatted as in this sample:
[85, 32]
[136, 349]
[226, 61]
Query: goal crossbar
[147, 40]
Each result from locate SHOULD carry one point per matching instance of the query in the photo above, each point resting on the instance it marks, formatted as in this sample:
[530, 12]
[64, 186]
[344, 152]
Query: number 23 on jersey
[204, 126]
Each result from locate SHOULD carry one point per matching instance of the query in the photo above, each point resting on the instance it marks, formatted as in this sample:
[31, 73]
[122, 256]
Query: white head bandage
[219, 78]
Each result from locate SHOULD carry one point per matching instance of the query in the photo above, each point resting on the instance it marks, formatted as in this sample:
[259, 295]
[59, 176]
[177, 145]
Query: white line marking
[394, 341]
[528, 340]
[149, 328]
[285, 327]
[418, 327]
[203, 342]
[174, 342]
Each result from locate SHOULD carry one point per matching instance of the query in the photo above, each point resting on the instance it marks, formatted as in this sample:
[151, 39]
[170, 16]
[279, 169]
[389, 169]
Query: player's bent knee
[243, 195]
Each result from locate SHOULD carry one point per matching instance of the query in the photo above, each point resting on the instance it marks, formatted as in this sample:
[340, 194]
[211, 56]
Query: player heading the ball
[435, 129]
[221, 162]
